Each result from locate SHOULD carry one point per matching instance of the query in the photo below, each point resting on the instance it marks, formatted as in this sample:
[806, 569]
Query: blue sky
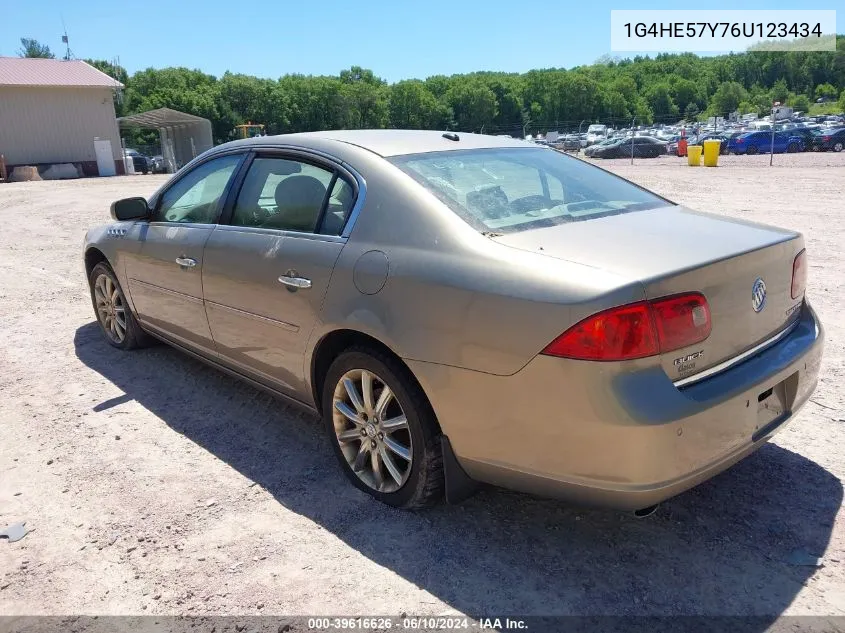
[397, 39]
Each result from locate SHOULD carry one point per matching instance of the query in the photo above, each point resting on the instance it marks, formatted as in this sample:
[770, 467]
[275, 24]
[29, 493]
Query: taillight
[636, 330]
[799, 274]
[825, 138]
[681, 320]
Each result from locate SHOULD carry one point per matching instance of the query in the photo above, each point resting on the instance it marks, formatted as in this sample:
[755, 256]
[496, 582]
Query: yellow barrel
[711, 153]
[694, 155]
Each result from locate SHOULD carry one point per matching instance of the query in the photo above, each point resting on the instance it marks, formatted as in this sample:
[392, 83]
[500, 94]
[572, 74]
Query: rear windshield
[515, 189]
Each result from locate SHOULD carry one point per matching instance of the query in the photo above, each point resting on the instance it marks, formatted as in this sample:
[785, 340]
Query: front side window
[196, 196]
[511, 190]
[291, 195]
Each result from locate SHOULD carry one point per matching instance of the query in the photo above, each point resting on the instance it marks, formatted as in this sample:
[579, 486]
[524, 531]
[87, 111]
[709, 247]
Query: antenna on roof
[65, 41]
[115, 62]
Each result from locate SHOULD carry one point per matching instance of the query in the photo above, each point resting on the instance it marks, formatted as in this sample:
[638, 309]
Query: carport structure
[183, 136]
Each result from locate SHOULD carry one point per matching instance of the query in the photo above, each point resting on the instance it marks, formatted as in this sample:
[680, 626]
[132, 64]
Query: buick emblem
[758, 295]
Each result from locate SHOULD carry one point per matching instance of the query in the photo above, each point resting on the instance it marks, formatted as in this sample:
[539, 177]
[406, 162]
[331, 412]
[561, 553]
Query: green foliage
[779, 92]
[413, 106]
[472, 103]
[33, 48]
[842, 101]
[664, 88]
[799, 103]
[691, 112]
[826, 91]
[661, 103]
[727, 98]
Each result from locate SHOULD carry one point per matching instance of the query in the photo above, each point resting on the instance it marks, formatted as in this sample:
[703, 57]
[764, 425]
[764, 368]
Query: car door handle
[188, 262]
[296, 283]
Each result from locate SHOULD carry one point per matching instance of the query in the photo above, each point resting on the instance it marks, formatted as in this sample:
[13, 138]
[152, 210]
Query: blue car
[761, 143]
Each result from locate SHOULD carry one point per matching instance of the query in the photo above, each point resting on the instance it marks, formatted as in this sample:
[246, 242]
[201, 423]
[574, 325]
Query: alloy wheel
[111, 308]
[372, 430]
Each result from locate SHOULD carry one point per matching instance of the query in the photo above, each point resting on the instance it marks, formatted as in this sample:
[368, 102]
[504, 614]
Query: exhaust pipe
[643, 513]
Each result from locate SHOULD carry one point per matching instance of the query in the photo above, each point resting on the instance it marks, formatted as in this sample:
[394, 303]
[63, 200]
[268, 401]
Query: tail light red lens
[825, 138]
[636, 330]
[799, 275]
[681, 320]
[615, 334]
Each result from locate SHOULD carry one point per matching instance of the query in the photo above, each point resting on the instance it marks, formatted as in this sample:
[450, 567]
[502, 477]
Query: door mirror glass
[130, 209]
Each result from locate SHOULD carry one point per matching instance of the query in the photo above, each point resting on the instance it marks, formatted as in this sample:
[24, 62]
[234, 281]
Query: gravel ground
[156, 485]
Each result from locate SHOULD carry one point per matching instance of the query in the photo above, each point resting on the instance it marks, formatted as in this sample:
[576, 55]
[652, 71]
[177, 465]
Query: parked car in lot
[571, 143]
[139, 161]
[833, 140]
[463, 308]
[807, 134]
[157, 164]
[596, 133]
[643, 147]
[592, 149]
[761, 143]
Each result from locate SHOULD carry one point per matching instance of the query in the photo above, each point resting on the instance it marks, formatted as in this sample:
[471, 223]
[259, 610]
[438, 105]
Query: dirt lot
[157, 485]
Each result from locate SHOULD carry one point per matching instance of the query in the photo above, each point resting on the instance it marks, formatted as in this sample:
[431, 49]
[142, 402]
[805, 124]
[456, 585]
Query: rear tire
[752, 149]
[374, 433]
[117, 323]
[837, 147]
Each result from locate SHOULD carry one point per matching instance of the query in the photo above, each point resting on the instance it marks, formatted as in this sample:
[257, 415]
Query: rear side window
[292, 195]
[512, 190]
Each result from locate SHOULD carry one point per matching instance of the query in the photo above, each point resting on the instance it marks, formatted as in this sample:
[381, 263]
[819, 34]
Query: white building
[52, 111]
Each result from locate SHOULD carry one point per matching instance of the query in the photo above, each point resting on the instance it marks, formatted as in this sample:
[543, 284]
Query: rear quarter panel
[451, 295]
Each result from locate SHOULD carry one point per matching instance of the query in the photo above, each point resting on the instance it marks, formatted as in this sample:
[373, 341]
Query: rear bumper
[619, 435]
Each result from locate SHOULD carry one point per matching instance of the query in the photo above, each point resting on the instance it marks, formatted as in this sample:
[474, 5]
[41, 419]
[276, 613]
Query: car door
[267, 265]
[165, 270]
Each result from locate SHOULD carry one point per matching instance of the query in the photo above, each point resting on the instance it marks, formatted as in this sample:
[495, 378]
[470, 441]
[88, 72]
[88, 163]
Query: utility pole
[633, 134]
[772, 148]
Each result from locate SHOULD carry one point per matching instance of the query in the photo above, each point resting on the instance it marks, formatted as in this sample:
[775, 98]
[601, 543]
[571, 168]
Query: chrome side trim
[165, 291]
[231, 228]
[725, 365]
[282, 324]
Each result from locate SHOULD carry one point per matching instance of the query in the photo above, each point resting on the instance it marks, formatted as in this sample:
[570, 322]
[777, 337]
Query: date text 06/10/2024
[423, 623]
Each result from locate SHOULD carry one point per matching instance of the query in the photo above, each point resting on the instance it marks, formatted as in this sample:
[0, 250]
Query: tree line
[665, 88]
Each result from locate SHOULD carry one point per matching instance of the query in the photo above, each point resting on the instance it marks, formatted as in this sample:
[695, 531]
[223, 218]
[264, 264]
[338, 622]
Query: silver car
[461, 308]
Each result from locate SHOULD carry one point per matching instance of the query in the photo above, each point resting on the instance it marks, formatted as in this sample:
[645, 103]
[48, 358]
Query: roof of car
[397, 142]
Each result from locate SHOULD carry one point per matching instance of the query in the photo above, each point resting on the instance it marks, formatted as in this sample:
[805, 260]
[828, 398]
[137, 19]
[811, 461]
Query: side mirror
[130, 209]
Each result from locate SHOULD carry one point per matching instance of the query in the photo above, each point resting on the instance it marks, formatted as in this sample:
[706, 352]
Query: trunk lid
[674, 250]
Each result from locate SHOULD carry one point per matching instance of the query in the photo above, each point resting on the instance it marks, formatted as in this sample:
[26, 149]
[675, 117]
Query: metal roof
[395, 142]
[163, 117]
[28, 71]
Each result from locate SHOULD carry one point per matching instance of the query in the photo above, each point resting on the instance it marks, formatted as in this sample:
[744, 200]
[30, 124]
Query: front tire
[792, 148]
[383, 430]
[114, 315]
